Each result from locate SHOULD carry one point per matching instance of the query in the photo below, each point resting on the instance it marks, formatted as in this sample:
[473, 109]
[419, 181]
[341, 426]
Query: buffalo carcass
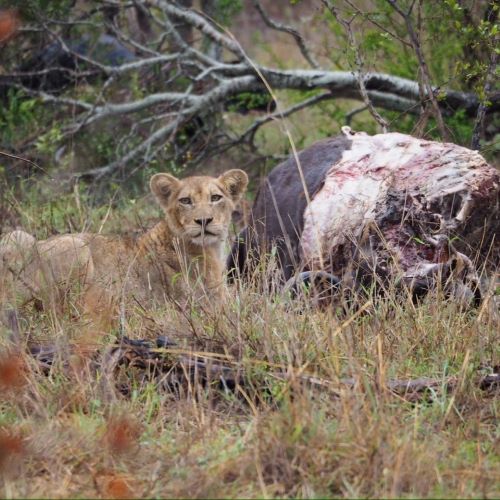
[371, 209]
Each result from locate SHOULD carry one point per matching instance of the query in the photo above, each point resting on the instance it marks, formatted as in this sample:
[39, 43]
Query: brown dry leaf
[9, 24]
[122, 434]
[117, 486]
[12, 371]
[11, 448]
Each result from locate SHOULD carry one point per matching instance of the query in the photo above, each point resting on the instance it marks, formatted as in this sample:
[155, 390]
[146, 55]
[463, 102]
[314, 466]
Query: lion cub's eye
[185, 201]
[216, 197]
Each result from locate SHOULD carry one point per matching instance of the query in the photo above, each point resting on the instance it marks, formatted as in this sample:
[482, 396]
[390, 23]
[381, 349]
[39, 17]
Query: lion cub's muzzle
[204, 222]
[206, 232]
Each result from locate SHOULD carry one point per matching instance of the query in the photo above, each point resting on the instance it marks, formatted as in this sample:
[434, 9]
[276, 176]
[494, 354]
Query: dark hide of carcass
[388, 206]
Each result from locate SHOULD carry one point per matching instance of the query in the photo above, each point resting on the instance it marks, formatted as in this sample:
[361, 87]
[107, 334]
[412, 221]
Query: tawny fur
[178, 259]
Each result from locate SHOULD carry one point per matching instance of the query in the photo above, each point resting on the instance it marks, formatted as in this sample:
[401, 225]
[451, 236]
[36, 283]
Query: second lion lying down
[180, 258]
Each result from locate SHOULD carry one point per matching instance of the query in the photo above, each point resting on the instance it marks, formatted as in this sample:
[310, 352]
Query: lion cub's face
[198, 209]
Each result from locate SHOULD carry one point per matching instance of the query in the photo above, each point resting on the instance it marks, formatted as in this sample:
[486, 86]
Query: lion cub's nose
[204, 222]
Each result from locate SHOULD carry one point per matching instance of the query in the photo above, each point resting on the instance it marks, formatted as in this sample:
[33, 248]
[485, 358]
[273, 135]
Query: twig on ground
[162, 357]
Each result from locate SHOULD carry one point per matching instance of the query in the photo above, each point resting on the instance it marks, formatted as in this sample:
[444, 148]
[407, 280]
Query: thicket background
[41, 117]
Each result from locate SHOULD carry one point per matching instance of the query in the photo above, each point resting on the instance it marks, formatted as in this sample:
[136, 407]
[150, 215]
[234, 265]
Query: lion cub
[180, 258]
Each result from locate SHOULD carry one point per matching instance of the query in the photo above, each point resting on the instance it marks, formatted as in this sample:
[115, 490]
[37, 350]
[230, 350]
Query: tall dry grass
[73, 433]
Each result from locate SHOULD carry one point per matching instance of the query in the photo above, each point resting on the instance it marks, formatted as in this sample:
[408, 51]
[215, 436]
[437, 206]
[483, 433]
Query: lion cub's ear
[235, 181]
[162, 186]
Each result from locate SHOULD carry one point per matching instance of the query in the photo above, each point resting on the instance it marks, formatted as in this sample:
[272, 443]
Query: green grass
[72, 434]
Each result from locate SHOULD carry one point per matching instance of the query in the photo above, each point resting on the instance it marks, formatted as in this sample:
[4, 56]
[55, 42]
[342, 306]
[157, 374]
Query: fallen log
[378, 208]
[161, 361]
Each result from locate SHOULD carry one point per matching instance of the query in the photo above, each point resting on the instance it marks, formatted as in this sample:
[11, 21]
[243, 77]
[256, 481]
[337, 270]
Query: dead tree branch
[249, 134]
[359, 64]
[424, 70]
[185, 92]
[485, 103]
[299, 39]
[163, 361]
